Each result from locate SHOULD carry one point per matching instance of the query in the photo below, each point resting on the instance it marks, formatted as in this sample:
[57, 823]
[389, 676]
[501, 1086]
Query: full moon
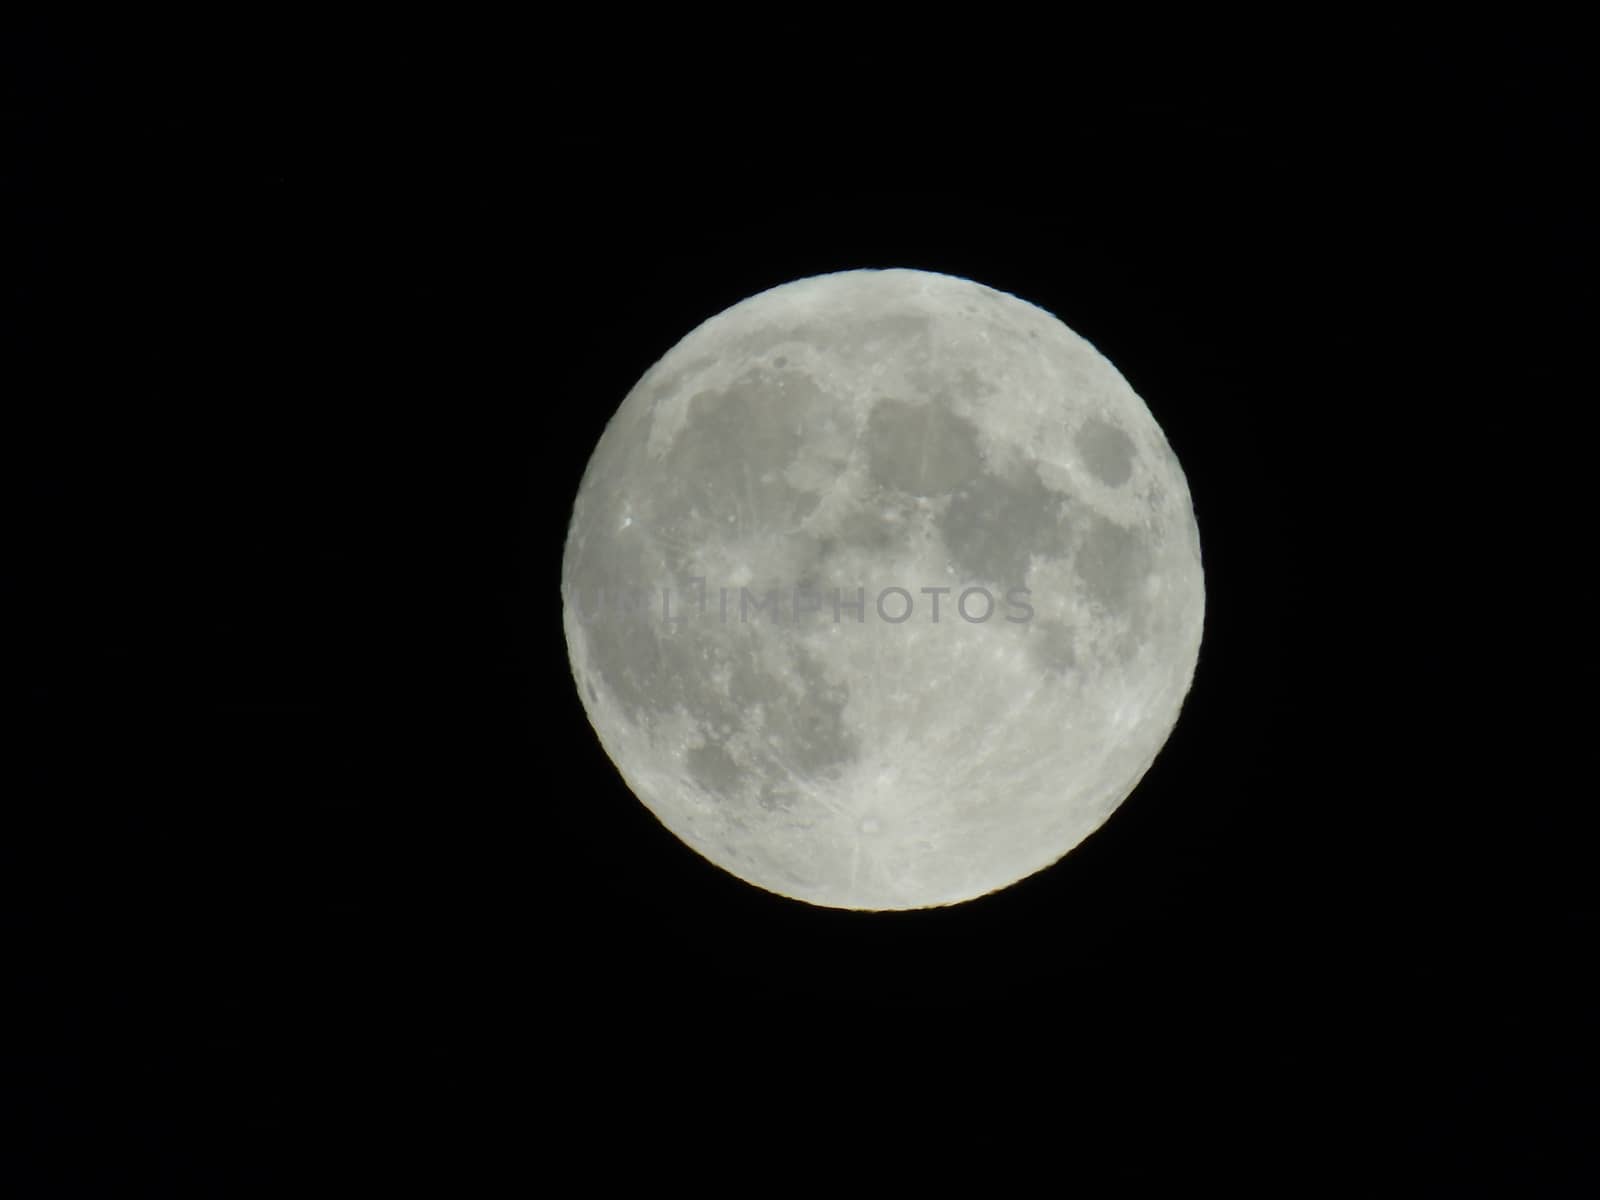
[883, 589]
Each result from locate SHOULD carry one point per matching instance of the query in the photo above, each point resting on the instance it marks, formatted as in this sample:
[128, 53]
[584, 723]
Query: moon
[883, 589]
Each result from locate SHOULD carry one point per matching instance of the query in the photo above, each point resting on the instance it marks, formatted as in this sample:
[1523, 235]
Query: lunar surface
[883, 589]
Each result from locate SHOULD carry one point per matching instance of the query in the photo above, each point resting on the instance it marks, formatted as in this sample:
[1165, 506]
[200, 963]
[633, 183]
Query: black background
[311, 855]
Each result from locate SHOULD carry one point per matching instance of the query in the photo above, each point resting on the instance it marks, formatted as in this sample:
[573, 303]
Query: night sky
[312, 865]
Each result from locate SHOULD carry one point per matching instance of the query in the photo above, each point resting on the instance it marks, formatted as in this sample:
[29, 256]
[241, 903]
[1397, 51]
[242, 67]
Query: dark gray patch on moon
[1112, 562]
[1107, 451]
[1053, 648]
[768, 415]
[790, 725]
[922, 449]
[865, 530]
[640, 670]
[713, 768]
[994, 525]
[748, 415]
[802, 717]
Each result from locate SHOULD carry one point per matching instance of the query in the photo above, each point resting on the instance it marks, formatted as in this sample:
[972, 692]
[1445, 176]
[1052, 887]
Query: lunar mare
[850, 436]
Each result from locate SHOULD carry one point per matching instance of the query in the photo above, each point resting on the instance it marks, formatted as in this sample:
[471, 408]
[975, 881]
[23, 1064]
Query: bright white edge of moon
[868, 430]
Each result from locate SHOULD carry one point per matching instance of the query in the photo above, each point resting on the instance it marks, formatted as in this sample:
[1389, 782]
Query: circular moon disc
[882, 589]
